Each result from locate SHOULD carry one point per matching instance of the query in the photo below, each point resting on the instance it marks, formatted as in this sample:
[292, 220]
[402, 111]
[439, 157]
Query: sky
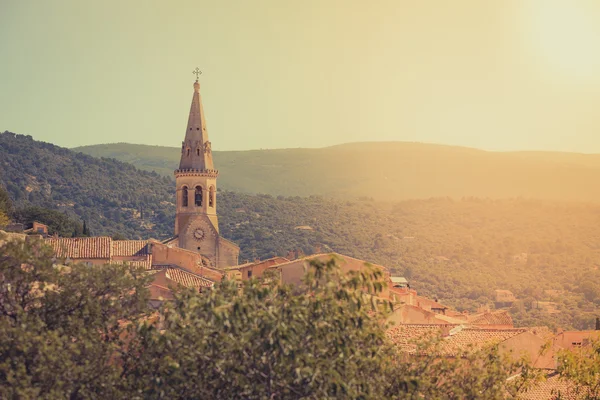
[496, 75]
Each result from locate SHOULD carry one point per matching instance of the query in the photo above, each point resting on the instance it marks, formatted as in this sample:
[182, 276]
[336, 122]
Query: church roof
[196, 154]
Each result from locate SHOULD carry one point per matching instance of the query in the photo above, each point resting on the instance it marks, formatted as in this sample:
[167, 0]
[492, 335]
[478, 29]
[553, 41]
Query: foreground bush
[85, 332]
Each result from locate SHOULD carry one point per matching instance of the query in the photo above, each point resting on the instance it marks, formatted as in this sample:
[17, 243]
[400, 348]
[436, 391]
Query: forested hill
[386, 171]
[458, 250]
[111, 196]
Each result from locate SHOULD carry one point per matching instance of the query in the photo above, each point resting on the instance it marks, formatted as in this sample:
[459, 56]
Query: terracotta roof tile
[129, 248]
[500, 317]
[146, 264]
[85, 247]
[550, 388]
[187, 279]
[457, 339]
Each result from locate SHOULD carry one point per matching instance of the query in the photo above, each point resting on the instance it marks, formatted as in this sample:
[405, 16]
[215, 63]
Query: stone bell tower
[196, 221]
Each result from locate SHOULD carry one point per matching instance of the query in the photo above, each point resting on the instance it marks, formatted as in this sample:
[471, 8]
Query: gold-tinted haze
[495, 75]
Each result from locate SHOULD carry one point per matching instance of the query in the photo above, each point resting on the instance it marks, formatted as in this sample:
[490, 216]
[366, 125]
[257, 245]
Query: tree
[57, 222]
[267, 342]
[63, 328]
[322, 341]
[85, 332]
[581, 367]
[4, 220]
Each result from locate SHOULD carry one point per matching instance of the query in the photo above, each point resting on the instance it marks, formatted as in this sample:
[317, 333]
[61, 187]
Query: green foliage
[268, 342]
[57, 222]
[458, 251]
[84, 332]
[481, 374]
[323, 342]
[582, 368]
[6, 205]
[4, 220]
[63, 327]
[105, 193]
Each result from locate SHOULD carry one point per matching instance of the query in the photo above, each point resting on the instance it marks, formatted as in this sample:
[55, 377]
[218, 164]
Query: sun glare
[565, 37]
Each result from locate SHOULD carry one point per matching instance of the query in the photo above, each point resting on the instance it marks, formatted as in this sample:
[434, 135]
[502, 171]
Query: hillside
[458, 251]
[111, 196]
[385, 171]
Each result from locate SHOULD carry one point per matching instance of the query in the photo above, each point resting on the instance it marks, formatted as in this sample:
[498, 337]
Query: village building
[504, 298]
[255, 269]
[399, 282]
[456, 340]
[170, 266]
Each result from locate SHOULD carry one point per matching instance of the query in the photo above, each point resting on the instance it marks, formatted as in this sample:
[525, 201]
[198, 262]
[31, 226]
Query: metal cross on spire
[197, 72]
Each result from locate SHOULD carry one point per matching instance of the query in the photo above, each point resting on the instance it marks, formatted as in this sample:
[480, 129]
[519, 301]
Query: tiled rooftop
[187, 279]
[146, 264]
[129, 248]
[85, 247]
[501, 317]
[550, 388]
[457, 339]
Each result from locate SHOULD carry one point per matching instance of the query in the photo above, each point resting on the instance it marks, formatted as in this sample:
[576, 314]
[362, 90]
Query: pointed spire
[196, 153]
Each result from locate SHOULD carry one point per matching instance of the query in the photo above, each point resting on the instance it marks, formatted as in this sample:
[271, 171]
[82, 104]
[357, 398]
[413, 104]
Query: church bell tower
[196, 221]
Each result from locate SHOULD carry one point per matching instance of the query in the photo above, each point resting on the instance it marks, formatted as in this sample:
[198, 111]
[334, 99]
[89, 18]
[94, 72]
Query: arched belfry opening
[211, 196]
[198, 196]
[184, 196]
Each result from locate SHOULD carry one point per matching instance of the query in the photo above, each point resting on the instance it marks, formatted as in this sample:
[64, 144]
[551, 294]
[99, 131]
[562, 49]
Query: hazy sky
[498, 75]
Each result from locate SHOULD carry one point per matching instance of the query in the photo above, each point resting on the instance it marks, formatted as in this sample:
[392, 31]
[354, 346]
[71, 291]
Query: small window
[188, 152]
[197, 151]
[249, 274]
[190, 129]
[211, 197]
[197, 129]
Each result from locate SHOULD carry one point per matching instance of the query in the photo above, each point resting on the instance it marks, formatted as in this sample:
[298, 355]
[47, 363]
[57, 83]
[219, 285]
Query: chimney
[598, 323]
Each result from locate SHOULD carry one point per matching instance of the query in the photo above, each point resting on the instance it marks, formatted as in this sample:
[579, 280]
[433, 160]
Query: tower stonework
[196, 221]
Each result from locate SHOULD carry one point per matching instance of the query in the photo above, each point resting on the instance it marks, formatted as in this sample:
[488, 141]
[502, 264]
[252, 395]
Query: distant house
[292, 272]
[252, 269]
[504, 298]
[574, 339]
[36, 227]
[399, 282]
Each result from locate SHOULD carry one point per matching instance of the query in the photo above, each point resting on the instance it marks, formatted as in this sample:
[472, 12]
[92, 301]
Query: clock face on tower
[199, 234]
